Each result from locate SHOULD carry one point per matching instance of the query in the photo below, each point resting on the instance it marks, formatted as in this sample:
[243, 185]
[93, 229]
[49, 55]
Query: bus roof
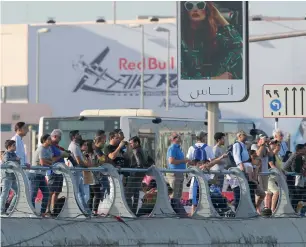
[120, 113]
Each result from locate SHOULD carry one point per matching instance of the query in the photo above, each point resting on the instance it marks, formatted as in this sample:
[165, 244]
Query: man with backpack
[199, 152]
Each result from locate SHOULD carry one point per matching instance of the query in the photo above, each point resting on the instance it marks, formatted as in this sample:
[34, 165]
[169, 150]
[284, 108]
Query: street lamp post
[142, 63]
[114, 12]
[39, 31]
[162, 29]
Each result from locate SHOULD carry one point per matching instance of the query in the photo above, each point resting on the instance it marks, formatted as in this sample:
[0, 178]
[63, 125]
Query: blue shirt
[283, 149]
[176, 152]
[56, 153]
[239, 156]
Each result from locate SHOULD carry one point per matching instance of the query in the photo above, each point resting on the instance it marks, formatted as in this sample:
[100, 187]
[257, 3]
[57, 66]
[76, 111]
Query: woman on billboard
[211, 48]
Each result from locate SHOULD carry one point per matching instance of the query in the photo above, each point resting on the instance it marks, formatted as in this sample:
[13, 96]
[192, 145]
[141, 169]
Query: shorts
[55, 183]
[263, 182]
[259, 191]
[272, 185]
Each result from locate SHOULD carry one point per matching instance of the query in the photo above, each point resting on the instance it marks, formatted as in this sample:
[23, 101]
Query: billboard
[212, 51]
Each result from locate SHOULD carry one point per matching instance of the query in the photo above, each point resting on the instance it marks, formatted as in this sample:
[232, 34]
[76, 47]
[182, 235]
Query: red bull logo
[150, 63]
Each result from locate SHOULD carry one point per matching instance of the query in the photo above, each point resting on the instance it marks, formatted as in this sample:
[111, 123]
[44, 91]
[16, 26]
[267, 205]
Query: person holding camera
[115, 152]
[263, 151]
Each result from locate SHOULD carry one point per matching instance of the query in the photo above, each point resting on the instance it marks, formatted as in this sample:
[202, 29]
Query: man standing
[218, 152]
[242, 160]
[75, 149]
[21, 130]
[55, 181]
[200, 152]
[139, 159]
[176, 160]
[114, 151]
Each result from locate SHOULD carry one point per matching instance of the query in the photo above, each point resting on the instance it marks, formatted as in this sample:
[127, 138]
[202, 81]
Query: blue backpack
[200, 153]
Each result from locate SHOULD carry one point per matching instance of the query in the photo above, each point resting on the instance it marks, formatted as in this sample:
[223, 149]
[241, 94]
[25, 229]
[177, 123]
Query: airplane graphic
[94, 70]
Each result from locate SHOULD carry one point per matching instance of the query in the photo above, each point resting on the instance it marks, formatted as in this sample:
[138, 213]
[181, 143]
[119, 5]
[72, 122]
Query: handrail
[162, 208]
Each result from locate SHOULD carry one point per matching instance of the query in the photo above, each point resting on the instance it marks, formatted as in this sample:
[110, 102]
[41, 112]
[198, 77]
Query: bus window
[148, 143]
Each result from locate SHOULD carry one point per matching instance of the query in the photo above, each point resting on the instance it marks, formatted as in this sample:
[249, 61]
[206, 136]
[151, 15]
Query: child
[9, 179]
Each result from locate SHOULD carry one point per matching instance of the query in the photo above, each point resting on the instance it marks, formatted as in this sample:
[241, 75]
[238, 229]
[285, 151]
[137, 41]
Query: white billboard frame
[231, 90]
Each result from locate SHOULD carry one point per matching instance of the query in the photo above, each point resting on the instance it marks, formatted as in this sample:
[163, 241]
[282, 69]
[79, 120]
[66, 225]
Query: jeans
[236, 196]
[132, 190]
[38, 181]
[105, 186]
[8, 182]
[95, 197]
[82, 188]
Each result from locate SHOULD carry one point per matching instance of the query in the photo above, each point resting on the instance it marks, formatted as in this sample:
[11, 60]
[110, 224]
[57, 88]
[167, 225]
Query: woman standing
[98, 187]
[86, 147]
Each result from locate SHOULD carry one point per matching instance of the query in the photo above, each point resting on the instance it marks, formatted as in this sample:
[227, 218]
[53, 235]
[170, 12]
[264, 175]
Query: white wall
[14, 55]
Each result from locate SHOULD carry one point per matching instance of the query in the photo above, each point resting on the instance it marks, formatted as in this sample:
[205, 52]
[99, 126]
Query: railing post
[70, 208]
[119, 205]
[23, 206]
[246, 207]
[162, 206]
[284, 207]
[205, 206]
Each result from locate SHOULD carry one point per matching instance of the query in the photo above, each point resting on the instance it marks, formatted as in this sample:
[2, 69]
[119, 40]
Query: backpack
[232, 162]
[200, 153]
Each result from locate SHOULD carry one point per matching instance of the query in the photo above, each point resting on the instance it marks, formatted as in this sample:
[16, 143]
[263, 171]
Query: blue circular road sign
[275, 105]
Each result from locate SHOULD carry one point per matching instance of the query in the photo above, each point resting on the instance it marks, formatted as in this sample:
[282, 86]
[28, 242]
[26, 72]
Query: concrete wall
[154, 232]
[29, 113]
[14, 55]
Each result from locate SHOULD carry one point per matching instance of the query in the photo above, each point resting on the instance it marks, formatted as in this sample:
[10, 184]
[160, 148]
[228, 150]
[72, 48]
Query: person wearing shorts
[273, 188]
[263, 151]
[55, 181]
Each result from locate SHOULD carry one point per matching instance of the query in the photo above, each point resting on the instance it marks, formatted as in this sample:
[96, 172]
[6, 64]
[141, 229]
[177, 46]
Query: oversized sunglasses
[194, 5]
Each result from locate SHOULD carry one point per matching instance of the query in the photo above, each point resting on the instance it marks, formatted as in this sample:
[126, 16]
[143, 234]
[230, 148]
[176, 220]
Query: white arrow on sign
[276, 104]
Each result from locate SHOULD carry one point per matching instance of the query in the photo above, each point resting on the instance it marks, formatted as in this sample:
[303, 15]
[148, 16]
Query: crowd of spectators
[93, 186]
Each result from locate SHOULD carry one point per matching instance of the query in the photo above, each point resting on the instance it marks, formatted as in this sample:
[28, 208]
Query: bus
[152, 129]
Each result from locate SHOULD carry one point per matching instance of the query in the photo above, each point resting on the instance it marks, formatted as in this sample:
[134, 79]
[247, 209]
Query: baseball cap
[262, 136]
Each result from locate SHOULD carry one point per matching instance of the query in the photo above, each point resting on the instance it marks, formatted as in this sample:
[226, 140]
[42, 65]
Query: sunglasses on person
[194, 5]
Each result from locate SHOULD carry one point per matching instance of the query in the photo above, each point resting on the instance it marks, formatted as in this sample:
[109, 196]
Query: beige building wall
[14, 55]
[29, 113]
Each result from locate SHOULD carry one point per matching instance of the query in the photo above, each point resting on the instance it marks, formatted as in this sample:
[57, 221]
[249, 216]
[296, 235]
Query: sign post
[212, 55]
[284, 101]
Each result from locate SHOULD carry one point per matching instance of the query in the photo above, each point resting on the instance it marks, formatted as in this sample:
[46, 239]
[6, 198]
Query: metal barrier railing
[121, 192]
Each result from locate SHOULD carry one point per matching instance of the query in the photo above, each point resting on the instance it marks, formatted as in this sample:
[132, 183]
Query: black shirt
[119, 160]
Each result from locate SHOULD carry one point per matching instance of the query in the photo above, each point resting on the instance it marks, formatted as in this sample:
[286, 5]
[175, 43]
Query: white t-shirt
[20, 149]
[190, 155]
[209, 152]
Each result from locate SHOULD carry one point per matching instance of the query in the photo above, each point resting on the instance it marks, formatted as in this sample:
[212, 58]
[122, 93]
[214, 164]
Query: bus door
[147, 141]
